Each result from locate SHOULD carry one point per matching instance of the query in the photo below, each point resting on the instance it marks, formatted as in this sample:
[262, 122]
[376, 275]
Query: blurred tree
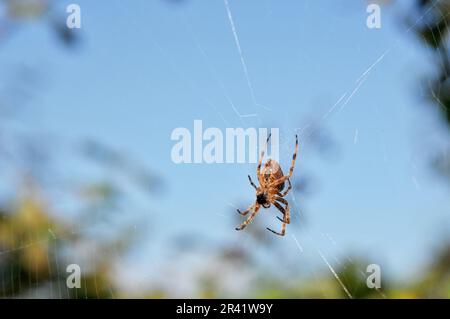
[436, 280]
[33, 254]
[36, 242]
[14, 12]
[431, 24]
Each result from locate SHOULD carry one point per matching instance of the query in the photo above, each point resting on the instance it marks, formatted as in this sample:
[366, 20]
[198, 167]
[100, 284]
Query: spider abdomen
[272, 171]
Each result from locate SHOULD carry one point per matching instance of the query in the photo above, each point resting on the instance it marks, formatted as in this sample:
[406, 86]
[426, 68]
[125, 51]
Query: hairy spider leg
[283, 230]
[249, 220]
[245, 212]
[286, 219]
[291, 170]
[281, 209]
[287, 190]
[251, 182]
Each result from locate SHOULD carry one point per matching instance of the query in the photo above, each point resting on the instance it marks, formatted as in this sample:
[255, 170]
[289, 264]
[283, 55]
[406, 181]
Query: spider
[272, 182]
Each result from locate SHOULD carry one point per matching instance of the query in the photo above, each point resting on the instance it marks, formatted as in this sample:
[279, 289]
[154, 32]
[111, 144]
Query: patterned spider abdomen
[272, 171]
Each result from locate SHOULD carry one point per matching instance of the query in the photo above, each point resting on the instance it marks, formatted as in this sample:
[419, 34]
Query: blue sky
[146, 68]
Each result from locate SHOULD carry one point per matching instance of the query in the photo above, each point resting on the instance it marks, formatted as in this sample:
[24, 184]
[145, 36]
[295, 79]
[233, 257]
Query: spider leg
[294, 157]
[249, 220]
[258, 168]
[282, 200]
[281, 209]
[291, 170]
[287, 216]
[251, 182]
[287, 190]
[284, 221]
[245, 212]
[283, 230]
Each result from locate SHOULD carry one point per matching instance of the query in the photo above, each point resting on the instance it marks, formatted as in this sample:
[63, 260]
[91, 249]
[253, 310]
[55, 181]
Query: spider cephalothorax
[261, 199]
[271, 181]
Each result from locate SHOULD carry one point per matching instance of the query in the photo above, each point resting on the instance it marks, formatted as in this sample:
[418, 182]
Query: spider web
[303, 241]
[308, 129]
